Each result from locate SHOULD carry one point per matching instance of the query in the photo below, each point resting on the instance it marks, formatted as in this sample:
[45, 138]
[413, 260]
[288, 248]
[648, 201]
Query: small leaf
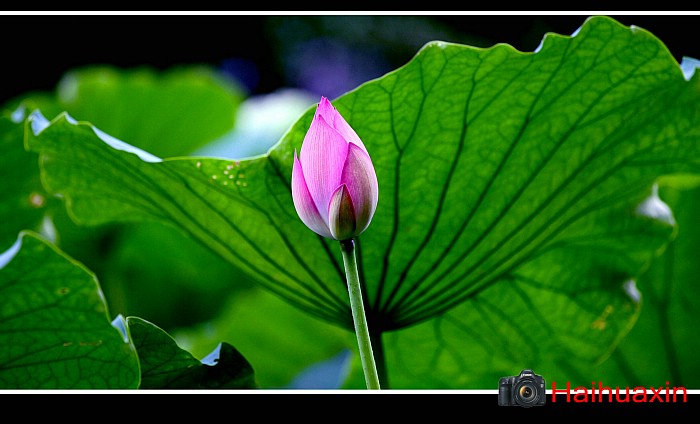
[165, 366]
[281, 340]
[54, 329]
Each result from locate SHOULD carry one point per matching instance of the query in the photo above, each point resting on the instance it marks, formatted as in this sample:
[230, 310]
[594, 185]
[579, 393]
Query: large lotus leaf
[560, 313]
[508, 181]
[54, 328]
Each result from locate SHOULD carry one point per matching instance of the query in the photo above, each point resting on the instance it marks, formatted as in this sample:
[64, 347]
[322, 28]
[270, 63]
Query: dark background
[325, 54]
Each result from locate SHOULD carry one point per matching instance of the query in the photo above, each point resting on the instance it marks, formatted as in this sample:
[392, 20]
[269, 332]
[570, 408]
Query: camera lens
[526, 393]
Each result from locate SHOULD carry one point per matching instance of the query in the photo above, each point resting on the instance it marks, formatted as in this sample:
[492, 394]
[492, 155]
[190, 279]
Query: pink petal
[304, 203]
[361, 180]
[336, 120]
[326, 109]
[322, 156]
[342, 215]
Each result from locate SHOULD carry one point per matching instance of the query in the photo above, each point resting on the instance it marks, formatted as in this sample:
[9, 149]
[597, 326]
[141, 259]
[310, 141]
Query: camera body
[526, 390]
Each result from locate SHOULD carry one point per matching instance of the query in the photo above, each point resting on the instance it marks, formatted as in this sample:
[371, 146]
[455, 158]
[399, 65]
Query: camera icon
[526, 390]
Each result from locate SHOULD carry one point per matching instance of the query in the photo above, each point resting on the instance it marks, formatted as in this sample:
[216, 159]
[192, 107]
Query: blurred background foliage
[246, 80]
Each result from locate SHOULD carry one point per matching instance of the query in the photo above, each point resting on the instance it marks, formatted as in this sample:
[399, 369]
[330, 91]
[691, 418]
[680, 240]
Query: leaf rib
[266, 277]
[428, 287]
[451, 244]
[187, 220]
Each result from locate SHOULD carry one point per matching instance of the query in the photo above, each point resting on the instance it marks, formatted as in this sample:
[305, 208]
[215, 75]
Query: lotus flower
[334, 185]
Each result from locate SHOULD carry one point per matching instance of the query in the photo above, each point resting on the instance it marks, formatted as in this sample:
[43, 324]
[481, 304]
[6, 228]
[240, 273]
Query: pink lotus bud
[334, 185]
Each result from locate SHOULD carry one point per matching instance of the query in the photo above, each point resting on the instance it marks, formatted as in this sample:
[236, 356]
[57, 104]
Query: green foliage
[22, 203]
[516, 221]
[662, 345]
[280, 340]
[56, 334]
[54, 326]
[165, 366]
[170, 113]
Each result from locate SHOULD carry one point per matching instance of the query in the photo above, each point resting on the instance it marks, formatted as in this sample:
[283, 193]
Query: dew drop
[36, 200]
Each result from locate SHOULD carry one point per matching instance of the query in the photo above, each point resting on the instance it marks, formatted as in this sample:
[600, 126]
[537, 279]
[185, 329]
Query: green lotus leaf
[54, 327]
[516, 199]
